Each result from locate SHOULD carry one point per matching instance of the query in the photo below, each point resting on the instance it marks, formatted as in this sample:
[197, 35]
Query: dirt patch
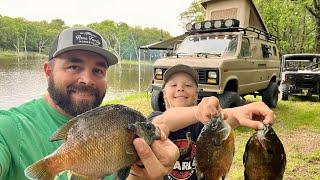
[301, 141]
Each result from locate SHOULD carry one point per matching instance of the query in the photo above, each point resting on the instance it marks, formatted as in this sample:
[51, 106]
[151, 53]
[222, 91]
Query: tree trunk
[25, 41]
[315, 11]
[303, 37]
[318, 36]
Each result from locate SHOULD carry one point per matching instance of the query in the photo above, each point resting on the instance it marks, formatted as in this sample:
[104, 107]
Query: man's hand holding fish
[158, 159]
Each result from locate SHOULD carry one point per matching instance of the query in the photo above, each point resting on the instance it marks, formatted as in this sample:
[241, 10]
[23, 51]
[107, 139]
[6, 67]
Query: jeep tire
[285, 92]
[157, 101]
[270, 95]
[229, 99]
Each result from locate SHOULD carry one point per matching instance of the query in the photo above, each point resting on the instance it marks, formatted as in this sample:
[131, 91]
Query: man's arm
[5, 159]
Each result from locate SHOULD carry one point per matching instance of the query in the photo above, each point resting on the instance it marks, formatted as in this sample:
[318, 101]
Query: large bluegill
[214, 150]
[264, 156]
[97, 143]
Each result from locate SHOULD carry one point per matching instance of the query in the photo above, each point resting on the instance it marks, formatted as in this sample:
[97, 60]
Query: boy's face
[180, 91]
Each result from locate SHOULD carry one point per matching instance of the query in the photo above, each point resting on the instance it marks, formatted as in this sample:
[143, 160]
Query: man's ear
[47, 68]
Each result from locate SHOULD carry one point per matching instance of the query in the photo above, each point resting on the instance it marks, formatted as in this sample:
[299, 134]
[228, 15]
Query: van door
[254, 72]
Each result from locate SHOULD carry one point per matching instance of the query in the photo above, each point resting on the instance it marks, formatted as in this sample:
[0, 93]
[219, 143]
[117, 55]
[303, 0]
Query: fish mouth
[132, 128]
[261, 135]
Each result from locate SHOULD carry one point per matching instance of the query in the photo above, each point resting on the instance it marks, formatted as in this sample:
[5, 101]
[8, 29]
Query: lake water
[22, 80]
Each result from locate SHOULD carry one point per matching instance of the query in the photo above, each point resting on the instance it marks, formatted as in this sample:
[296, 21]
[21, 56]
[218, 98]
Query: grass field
[297, 125]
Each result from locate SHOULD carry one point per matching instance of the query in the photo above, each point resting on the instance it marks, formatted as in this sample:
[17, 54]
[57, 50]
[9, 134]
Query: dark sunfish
[214, 150]
[264, 156]
[97, 143]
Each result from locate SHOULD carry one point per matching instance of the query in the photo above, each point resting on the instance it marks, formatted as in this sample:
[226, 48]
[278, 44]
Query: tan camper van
[232, 51]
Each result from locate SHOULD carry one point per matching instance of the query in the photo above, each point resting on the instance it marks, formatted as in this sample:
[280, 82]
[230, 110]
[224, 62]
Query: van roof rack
[259, 32]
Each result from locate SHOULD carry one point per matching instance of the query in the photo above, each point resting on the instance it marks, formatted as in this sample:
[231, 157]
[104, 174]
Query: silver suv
[300, 75]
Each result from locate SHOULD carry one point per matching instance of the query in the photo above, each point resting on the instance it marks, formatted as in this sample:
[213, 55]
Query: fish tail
[39, 170]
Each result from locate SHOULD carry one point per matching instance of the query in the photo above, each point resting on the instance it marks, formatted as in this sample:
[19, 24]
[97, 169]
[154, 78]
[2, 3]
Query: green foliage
[195, 13]
[21, 35]
[288, 19]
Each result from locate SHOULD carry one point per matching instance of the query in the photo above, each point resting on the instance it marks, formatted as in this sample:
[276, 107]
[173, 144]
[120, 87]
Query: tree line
[295, 22]
[21, 35]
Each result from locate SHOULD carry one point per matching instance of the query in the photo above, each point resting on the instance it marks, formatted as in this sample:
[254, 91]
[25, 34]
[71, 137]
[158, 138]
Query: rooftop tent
[243, 10]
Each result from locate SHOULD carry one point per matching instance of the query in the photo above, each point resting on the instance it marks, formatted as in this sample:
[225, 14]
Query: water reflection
[22, 80]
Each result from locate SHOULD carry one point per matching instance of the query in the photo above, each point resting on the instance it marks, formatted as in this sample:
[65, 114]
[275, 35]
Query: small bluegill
[97, 143]
[264, 156]
[214, 150]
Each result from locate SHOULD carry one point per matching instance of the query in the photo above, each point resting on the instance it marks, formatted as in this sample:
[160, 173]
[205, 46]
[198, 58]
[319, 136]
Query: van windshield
[209, 44]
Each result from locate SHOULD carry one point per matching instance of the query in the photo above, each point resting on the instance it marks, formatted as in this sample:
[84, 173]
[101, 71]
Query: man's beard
[64, 101]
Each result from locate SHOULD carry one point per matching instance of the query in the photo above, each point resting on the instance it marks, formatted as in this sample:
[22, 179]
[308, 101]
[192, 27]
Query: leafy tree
[195, 13]
[315, 11]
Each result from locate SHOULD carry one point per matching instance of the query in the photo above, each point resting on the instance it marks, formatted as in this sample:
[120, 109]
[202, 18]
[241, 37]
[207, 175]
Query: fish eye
[214, 125]
[148, 126]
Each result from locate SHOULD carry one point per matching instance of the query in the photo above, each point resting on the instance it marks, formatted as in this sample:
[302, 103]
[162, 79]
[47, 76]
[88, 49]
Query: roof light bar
[213, 24]
[231, 23]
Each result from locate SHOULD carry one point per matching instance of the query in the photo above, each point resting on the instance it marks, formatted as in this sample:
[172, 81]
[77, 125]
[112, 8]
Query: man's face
[78, 81]
[180, 91]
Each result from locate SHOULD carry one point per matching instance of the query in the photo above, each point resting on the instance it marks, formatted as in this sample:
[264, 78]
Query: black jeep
[300, 75]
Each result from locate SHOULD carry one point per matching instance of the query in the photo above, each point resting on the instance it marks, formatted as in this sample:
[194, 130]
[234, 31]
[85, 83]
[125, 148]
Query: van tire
[270, 95]
[229, 99]
[157, 101]
[285, 92]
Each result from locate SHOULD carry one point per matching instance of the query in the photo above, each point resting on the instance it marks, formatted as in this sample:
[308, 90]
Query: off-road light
[158, 74]
[218, 24]
[197, 26]
[232, 23]
[207, 25]
[189, 27]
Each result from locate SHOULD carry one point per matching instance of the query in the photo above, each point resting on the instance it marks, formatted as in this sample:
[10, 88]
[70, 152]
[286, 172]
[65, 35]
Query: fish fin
[80, 177]
[62, 132]
[123, 173]
[200, 175]
[39, 171]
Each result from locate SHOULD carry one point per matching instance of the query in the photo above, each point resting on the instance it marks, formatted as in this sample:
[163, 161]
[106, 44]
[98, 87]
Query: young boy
[183, 115]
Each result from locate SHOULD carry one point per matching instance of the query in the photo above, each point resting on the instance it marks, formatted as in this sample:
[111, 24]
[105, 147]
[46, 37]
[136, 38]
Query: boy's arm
[180, 117]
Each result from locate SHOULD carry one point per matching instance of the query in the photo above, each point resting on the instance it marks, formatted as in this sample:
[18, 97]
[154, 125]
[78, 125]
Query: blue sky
[145, 13]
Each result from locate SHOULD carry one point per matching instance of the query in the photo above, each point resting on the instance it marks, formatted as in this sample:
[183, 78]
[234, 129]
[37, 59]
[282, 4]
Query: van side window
[265, 51]
[274, 51]
[245, 48]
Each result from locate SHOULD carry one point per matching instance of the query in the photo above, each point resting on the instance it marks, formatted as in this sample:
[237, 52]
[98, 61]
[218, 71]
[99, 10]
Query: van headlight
[212, 77]
[158, 74]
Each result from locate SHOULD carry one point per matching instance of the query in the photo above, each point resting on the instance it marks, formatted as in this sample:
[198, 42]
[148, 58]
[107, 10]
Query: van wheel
[285, 92]
[270, 95]
[157, 101]
[229, 99]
